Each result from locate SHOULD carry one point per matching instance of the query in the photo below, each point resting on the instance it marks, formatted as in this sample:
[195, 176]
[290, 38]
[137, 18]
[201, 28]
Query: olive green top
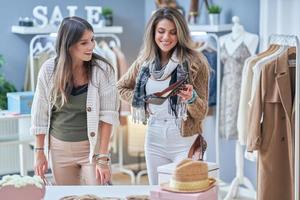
[70, 122]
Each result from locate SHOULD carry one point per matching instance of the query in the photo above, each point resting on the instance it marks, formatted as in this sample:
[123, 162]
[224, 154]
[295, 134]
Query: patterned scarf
[174, 69]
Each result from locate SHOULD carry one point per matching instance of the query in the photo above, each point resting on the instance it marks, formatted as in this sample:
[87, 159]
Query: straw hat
[190, 176]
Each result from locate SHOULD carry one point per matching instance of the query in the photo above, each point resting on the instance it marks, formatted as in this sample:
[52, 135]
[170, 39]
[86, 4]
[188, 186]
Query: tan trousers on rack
[70, 163]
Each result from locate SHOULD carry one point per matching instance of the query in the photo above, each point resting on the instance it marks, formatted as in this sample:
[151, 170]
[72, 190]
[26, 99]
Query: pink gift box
[31, 192]
[160, 194]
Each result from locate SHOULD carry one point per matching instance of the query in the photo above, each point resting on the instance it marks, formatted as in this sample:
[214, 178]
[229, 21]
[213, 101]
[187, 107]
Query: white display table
[120, 191]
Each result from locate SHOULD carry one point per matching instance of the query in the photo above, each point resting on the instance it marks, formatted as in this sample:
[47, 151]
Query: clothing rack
[48, 37]
[37, 38]
[33, 42]
[293, 41]
[218, 78]
[217, 143]
[240, 179]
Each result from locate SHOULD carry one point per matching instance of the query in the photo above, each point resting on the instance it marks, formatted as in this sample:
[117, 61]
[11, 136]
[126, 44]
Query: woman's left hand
[103, 173]
[186, 93]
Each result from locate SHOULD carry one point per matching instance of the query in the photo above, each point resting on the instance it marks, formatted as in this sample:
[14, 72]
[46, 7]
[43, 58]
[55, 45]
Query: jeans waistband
[163, 120]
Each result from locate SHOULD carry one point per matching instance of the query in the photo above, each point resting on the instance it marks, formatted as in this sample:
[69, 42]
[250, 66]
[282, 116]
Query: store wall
[248, 12]
[15, 47]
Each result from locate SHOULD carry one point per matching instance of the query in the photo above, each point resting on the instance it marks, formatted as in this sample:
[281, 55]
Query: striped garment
[102, 103]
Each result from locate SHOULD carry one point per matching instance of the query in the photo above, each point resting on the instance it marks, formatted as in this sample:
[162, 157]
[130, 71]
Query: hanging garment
[253, 66]
[122, 65]
[230, 89]
[109, 55]
[271, 130]
[37, 63]
[211, 57]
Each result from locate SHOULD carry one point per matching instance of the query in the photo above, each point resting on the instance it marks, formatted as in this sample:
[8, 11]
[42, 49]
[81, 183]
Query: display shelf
[210, 28]
[53, 29]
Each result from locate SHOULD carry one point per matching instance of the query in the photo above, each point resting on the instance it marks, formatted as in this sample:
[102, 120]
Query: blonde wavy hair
[69, 33]
[185, 46]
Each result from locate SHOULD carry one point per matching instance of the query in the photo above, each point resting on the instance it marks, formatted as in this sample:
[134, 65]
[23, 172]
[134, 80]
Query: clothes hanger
[210, 47]
[272, 49]
[49, 48]
[205, 45]
[98, 50]
[112, 44]
[38, 48]
[103, 44]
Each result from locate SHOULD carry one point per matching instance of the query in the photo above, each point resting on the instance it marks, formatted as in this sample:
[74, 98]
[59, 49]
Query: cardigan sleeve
[40, 104]
[127, 82]
[199, 108]
[109, 100]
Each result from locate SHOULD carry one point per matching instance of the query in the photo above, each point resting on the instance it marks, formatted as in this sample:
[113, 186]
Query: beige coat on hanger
[273, 137]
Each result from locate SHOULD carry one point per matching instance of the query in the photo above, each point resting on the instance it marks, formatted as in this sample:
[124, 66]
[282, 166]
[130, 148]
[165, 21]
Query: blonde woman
[167, 56]
[74, 107]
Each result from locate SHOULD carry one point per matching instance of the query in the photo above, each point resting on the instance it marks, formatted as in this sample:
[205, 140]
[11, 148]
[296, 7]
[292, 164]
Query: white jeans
[164, 145]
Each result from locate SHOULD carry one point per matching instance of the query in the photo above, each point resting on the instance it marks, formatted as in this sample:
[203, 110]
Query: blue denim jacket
[211, 57]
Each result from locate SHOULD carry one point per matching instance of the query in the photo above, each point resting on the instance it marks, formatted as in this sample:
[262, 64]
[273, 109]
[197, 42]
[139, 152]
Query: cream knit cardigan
[102, 103]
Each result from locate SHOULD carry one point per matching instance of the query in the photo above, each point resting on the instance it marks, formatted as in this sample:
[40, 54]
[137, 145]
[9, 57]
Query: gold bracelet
[103, 163]
[101, 155]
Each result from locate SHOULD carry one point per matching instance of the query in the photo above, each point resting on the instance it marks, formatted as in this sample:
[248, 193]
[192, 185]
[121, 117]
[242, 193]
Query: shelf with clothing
[43, 42]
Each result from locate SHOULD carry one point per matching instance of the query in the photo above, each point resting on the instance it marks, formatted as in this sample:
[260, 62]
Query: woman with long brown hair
[174, 118]
[74, 107]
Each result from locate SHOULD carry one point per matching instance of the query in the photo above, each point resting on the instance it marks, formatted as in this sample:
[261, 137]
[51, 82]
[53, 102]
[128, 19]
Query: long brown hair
[69, 33]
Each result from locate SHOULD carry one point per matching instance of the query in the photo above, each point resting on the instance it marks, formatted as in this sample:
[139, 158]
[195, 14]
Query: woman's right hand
[41, 164]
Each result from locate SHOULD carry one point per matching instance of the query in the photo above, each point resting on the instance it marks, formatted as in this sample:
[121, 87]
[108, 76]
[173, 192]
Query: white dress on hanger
[236, 47]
